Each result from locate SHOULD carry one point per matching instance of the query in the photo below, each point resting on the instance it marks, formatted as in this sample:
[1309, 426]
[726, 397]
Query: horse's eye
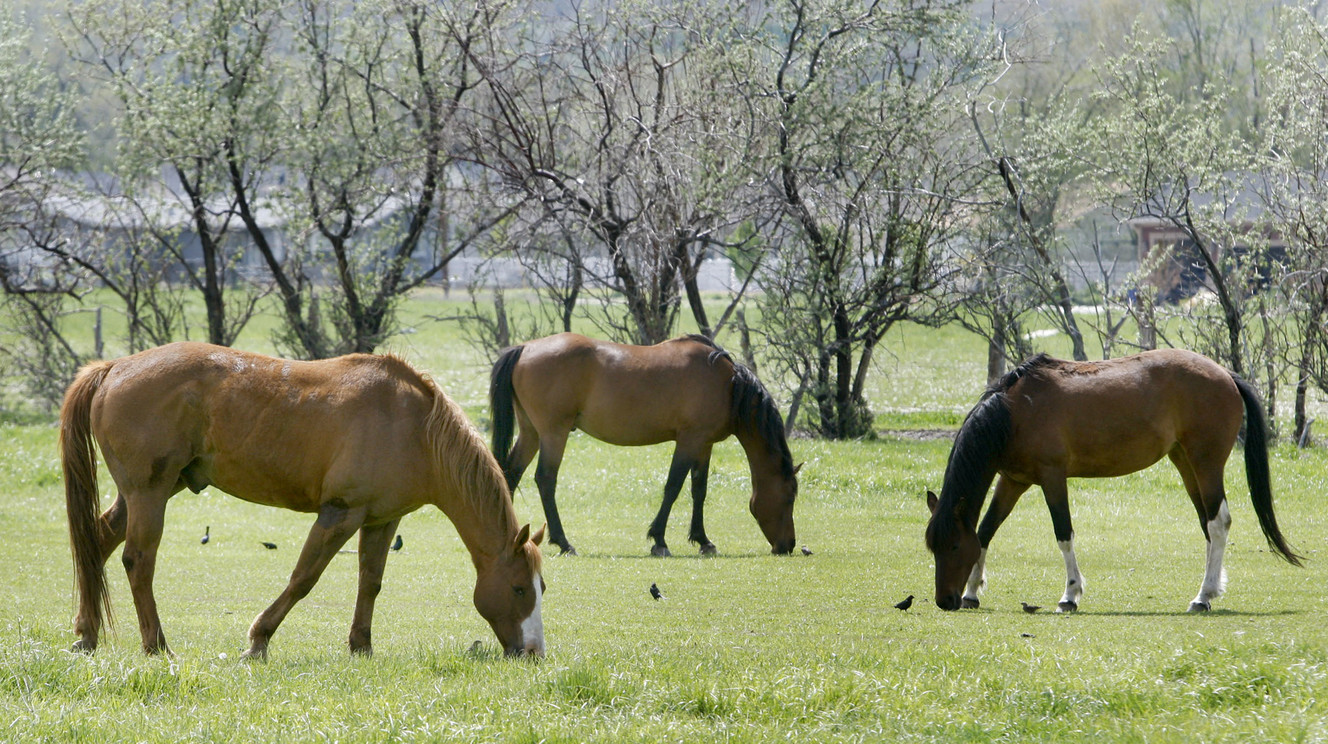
[519, 591]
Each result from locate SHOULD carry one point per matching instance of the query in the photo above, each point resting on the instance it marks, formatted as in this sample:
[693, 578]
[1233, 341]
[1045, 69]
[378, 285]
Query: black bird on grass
[206, 535]
[268, 545]
[654, 592]
[397, 545]
[806, 550]
[1030, 609]
[904, 605]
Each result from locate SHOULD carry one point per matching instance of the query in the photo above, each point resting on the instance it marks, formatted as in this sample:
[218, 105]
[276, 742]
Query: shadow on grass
[1210, 613]
[987, 611]
[675, 557]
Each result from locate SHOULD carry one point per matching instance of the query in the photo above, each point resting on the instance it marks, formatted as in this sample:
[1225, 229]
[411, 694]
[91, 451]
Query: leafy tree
[38, 139]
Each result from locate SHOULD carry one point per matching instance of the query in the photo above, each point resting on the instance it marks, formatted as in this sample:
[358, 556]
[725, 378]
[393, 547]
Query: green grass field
[744, 647]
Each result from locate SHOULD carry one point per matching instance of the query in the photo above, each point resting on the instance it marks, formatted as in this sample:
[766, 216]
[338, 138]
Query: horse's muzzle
[529, 652]
[782, 547]
[948, 602]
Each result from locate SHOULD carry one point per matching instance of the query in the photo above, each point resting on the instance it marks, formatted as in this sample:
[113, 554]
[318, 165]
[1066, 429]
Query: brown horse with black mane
[686, 390]
[360, 441]
[1049, 420]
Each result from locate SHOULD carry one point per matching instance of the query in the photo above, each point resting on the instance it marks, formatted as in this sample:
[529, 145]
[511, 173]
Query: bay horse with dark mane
[686, 390]
[360, 440]
[1049, 420]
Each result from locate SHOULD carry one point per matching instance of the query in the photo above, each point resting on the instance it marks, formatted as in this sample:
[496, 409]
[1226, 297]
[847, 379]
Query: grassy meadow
[744, 646]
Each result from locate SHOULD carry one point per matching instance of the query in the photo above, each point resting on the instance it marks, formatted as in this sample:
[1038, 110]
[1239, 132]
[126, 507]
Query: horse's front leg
[334, 526]
[1056, 492]
[1002, 502]
[678, 469]
[700, 475]
[373, 559]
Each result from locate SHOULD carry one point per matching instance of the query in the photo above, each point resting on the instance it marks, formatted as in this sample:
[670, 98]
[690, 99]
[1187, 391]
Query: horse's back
[267, 430]
[625, 394]
[1109, 418]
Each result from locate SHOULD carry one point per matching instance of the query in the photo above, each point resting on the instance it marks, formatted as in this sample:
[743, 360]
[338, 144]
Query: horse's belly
[1113, 460]
[624, 433]
[267, 489]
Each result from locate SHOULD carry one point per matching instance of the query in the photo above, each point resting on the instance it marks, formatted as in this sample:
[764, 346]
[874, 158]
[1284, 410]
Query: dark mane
[715, 355]
[972, 464]
[755, 410]
[1030, 365]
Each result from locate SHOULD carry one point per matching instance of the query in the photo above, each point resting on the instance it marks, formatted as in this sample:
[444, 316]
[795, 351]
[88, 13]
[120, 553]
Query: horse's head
[954, 544]
[772, 505]
[509, 591]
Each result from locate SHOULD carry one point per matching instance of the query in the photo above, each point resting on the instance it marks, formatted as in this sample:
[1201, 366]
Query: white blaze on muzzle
[532, 628]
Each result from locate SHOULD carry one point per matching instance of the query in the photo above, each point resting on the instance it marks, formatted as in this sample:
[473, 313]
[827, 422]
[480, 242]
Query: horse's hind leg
[373, 558]
[1002, 502]
[523, 451]
[1208, 494]
[334, 526]
[111, 533]
[1057, 495]
[551, 447]
[700, 476]
[143, 526]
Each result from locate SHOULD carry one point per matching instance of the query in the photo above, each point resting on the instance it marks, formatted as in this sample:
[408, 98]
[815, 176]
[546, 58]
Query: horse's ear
[519, 545]
[538, 537]
[798, 467]
[932, 501]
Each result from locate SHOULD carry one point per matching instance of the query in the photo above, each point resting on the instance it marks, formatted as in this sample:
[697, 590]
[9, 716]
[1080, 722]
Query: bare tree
[618, 121]
[867, 171]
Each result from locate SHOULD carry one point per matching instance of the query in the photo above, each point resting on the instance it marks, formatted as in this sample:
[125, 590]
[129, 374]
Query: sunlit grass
[744, 647]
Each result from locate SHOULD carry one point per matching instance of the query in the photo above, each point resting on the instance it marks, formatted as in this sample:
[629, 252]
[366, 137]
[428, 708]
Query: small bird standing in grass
[806, 550]
[654, 592]
[905, 604]
[268, 545]
[1030, 609]
[206, 535]
[398, 543]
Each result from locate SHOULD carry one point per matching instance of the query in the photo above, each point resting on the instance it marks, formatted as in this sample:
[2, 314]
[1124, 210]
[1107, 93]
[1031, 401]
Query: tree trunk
[996, 355]
[843, 375]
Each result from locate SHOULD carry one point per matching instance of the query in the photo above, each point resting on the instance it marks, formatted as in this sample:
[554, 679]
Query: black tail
[1256, 471]
[502, 407]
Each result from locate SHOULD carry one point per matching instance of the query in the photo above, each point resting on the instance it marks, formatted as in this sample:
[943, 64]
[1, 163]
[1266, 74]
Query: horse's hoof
[567, 550]
[660, 551]
[1067, 606]
[82, 646]
[709, 549]
[969, 603]
[1199, 607]
[254, 654]
[365, 651]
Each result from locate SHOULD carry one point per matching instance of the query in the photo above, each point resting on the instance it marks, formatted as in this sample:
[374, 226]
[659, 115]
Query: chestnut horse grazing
[1050, 420]
[686, 390]
[360, 441]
